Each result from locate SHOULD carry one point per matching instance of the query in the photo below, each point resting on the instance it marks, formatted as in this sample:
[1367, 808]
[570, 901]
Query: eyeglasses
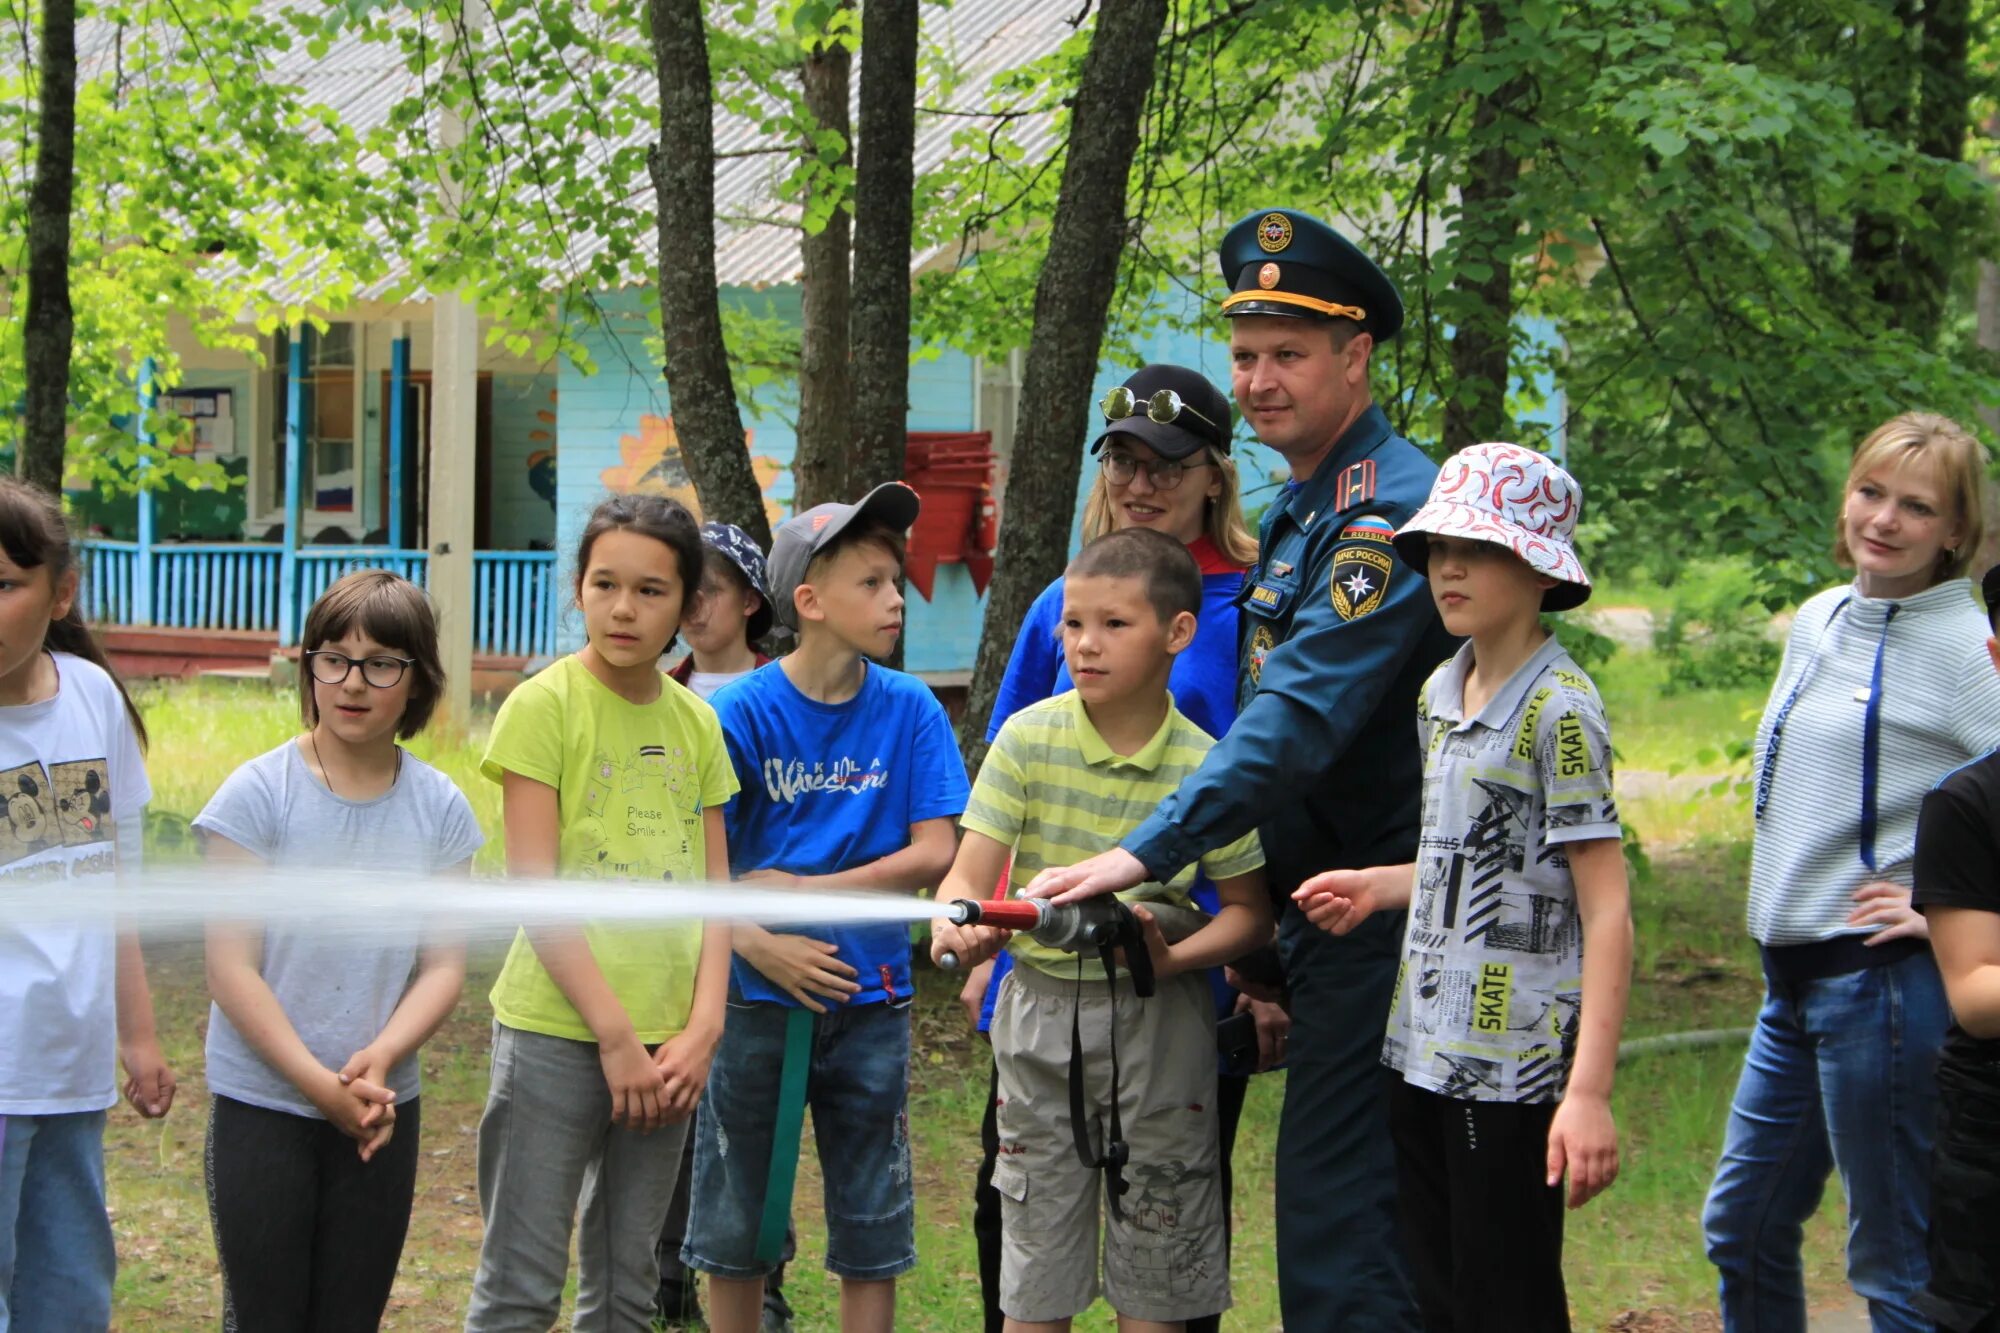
[1163, 407]
[330, 668]
[1164, 473]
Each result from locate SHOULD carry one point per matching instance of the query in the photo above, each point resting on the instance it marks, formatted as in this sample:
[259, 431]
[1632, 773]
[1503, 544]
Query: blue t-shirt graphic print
[827, 787]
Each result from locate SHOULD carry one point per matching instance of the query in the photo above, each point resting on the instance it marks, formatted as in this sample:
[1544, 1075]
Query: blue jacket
[1338, 639]
[1203, 682]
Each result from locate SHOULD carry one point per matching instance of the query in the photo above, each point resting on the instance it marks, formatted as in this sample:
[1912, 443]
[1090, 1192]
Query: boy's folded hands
[799, 965]
[638, 1088]
[683, 1062]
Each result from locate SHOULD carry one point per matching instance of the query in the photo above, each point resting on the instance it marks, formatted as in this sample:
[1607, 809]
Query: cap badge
[1267, 276]
[1274, 233]
[821, 520]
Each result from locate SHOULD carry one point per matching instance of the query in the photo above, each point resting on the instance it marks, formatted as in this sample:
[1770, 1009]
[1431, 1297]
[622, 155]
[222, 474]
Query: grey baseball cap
[803, 536]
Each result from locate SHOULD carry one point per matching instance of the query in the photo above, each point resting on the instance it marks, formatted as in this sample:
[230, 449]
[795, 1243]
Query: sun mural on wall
[650, 463]
[542, 462]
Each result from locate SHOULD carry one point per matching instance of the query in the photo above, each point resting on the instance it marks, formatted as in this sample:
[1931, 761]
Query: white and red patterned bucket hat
[1511, 497]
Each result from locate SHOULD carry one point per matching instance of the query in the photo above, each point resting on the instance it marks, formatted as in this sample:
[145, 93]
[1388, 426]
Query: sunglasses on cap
[1162, 408]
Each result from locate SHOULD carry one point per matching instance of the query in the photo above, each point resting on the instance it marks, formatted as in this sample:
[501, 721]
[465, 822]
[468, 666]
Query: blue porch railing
[240, 586]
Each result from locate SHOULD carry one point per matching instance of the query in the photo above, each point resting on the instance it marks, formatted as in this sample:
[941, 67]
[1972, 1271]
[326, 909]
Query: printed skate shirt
[1491, 984]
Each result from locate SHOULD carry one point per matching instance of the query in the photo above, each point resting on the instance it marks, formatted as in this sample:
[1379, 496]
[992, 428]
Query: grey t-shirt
[338, 993]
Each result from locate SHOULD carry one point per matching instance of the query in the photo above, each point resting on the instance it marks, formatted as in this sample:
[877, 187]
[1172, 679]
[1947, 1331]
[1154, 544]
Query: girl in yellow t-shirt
[602, 1035]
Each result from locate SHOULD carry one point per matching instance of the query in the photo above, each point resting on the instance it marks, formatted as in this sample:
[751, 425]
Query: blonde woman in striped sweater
[1884, 689]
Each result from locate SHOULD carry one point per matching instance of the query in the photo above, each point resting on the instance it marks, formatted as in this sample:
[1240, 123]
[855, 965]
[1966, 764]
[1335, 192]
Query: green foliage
[1588, 648]
[1684, 217]
[208, 190]
[1716, 633]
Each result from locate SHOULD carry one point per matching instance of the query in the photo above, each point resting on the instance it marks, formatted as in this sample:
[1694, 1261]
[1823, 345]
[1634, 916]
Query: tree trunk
[1883, 102]
[682, 165]
[1072, 295]
[1943, 113]
[884, 199]
[884, 194]
[1482, 332]
[826, 384]
[48, 326]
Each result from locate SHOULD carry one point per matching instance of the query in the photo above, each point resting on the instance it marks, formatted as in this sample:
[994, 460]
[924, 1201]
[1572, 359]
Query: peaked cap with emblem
[1281, 262]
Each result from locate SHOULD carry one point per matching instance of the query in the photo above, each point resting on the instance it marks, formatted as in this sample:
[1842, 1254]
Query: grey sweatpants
[546, 1139]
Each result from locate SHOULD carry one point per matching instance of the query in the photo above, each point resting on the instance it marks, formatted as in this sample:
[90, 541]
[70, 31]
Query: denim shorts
[857, 1087]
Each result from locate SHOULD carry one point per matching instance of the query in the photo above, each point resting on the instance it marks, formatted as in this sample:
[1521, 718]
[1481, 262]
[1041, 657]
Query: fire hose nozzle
[1009, 914]
[1071, 926]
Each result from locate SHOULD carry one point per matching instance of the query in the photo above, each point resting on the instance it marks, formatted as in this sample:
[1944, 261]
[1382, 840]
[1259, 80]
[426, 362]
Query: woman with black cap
[1163, 463]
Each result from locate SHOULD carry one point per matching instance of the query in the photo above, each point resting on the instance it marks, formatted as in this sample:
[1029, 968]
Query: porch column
[454, 441]
[454, 455]
[295, 465]
[399, 431]
[142, 590]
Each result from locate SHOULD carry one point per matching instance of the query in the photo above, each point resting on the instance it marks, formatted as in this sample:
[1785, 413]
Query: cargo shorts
[1167, 1258]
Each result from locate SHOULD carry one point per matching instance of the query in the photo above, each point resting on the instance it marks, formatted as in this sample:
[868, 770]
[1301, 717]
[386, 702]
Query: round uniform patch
[1274, 233]
[1262, 640]
[1267, 276]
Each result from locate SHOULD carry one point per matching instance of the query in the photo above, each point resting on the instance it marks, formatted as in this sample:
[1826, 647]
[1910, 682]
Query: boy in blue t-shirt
[850, 777]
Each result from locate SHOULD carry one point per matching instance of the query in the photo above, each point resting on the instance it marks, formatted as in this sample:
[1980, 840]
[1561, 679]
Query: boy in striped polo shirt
[1518, 951]
[1065, 779]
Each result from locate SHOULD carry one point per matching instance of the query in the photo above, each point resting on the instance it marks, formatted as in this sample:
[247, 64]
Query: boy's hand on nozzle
[1107, 872]
[1339, 900]
[638, 1089]
[683, 1062]
[1164, 965]
[802, 967]
[1583, 1140]
[149, 1081]
[970, 946]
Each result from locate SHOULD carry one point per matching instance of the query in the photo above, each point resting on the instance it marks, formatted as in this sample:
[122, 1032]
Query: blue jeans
[858, 1088]
[56, 1257]
[1842, 1072]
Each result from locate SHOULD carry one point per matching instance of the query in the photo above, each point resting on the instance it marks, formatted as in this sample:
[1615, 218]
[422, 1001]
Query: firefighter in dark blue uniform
[1323, 759]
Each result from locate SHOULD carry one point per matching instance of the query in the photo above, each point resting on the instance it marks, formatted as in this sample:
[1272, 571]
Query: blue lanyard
[1871, 733]
[1871, 744]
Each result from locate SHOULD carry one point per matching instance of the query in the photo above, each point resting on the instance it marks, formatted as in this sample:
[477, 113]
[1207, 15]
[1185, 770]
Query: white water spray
[334, 903]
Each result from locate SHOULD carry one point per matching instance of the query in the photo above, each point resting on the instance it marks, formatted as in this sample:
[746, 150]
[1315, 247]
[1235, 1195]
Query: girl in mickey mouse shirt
[70, 991]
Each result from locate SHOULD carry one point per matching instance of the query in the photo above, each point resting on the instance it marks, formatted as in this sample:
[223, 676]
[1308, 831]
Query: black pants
[308, 1234]
[1964, 1294]
[1229, 1094]
[1481, 1228]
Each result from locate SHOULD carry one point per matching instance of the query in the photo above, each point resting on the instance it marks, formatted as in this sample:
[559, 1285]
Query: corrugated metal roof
[757, 234]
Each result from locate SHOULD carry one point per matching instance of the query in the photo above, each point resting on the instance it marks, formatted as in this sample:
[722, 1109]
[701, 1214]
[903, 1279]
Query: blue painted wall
[598, 429]
[598, 411]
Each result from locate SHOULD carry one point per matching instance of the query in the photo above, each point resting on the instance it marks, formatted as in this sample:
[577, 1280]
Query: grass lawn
[1634, 1255]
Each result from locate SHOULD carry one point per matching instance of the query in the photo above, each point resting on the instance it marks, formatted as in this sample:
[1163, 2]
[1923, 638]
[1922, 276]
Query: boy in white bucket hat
[1518, 954]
